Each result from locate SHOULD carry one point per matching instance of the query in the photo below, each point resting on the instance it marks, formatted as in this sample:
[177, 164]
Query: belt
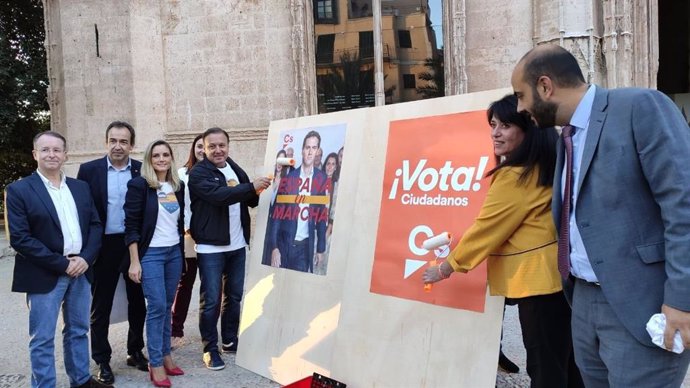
[72, 255]
[592, 284]
[303, 242]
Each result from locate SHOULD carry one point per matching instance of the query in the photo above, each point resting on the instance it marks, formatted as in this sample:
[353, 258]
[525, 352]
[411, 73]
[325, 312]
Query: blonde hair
[148, 173]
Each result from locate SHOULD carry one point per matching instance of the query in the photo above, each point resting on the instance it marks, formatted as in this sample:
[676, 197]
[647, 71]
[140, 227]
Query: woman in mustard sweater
[515, 233]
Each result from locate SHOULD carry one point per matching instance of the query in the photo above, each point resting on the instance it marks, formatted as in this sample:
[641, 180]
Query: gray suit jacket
[633, 208]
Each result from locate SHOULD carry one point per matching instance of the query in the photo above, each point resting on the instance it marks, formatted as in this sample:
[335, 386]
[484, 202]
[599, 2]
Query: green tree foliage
[435, 86]
[346, 85]
[24, 107]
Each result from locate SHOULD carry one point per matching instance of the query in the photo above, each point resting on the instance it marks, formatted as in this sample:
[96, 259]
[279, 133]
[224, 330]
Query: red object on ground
[316, 381]
[304, 383]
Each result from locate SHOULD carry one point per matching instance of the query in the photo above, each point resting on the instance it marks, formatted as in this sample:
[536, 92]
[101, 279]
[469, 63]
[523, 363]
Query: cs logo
[441, 252]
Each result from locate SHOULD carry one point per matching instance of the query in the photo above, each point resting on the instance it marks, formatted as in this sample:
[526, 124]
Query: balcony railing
[364, 53]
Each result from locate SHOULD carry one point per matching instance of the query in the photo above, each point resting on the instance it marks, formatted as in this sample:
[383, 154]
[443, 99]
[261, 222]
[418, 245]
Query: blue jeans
[161, 268]
[74, 296]
[220, 272]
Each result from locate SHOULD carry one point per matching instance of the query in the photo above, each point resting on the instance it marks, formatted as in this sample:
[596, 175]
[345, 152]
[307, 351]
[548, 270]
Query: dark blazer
[95, 173]
[284, 216]
[210, 197]
[141, 214]
[36, 236]
[633, 206]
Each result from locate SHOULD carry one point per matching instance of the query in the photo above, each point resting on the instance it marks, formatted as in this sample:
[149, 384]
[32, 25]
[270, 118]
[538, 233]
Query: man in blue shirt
[621, 203]
[107, 177]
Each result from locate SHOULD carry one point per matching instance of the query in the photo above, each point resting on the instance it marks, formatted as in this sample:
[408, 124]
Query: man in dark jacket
[298, 228]
[221, 194]
[54, 228]
[107, 177]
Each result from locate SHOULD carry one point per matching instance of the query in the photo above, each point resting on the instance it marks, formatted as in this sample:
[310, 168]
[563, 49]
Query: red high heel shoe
[176, 371]
[159, 383]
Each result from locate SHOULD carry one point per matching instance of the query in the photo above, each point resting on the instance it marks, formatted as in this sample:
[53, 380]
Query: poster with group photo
[303, 198]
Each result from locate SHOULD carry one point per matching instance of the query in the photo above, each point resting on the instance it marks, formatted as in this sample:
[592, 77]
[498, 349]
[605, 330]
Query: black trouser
[106, 273]
[297, 256]
[545, 323]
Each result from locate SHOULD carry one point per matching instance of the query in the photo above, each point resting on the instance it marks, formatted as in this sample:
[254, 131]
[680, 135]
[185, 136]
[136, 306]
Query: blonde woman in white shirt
[154, 230]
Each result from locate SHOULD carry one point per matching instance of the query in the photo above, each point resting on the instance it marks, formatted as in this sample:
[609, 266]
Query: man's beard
[543, 112]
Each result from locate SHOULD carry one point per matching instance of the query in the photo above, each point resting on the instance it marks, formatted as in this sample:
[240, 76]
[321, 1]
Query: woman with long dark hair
[154, 230]
[183, 295]
[331, 168]
[279, 172]
[515, 233]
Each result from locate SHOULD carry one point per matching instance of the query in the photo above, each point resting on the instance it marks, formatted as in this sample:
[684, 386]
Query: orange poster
[433, 183]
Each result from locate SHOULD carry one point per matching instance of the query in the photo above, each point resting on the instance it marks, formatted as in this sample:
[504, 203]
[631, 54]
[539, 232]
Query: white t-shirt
[303, 217]
[234, 219]
[166, 233]
[182, 173]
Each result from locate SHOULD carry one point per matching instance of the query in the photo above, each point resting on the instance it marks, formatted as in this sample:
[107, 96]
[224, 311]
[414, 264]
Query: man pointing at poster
[221, 195]
[300, 215]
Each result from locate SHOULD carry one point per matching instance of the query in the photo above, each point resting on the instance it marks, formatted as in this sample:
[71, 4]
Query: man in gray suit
[625, 233]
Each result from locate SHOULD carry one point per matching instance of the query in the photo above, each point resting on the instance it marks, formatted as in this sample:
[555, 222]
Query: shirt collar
[583, 111]
[46, 181]
[110, 165]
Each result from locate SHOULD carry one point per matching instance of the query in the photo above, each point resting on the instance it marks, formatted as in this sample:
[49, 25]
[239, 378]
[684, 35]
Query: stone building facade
[174, 68]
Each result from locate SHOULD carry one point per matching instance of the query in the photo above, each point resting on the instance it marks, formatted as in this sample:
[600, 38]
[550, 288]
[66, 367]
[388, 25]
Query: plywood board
[296, 323]
[290, 318]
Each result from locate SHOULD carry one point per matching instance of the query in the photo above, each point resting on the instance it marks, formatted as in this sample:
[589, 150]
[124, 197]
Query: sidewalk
[14, 357]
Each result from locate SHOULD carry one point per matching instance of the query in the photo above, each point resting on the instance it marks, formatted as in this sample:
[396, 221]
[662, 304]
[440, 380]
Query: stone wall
[174, 68]
[170, 68]
[496, 42]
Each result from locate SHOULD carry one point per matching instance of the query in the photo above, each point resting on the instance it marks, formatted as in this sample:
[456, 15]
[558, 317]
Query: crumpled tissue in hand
[655, 328]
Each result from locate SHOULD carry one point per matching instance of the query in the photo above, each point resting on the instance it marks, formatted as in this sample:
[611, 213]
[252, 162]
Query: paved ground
[14, 359]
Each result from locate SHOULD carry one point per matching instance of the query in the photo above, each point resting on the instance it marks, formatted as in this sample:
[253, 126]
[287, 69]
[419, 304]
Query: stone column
[575, 26]
[630, 42]
[304, 58]
[56, 79]
[380, 96]
[497, 37]
[454, 33]
[105, 63]
[149, 109]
